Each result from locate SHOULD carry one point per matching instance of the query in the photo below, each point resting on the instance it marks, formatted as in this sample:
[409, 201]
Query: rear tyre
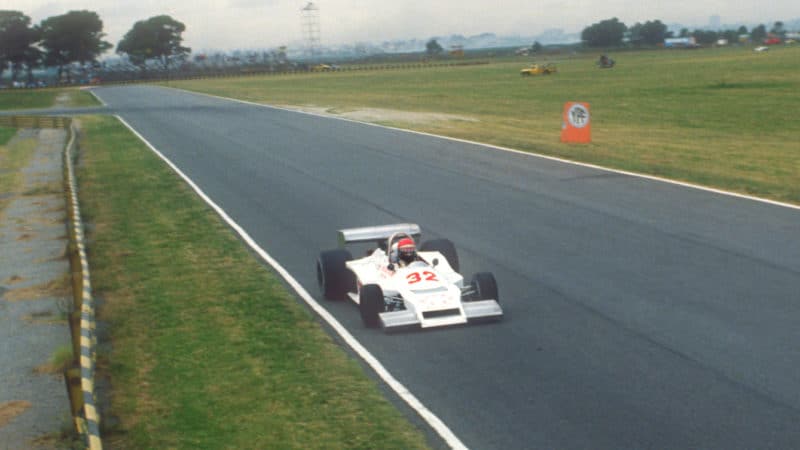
[371, 304]
[333, 277]
[446, 248]
[484, 286]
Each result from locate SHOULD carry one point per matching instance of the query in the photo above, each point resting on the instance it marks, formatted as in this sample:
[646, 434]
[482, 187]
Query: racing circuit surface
[639, 314]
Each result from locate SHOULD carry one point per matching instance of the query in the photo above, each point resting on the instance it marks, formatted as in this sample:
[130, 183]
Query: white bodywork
[427, 292]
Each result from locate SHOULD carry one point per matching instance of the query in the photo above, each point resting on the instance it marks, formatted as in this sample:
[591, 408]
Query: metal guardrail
[80, 378]
[157, 77]
[34, 122]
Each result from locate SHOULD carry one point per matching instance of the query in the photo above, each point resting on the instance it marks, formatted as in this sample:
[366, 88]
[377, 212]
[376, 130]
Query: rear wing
[377, 233]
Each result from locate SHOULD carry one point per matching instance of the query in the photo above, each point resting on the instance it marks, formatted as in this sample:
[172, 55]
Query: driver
[406, 252]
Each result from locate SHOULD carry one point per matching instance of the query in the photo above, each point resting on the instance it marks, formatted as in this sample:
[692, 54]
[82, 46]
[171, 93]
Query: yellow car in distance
[538, 69]
[323, 68]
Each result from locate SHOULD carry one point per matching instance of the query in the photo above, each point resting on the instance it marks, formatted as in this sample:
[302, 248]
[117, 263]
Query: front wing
[473, 311]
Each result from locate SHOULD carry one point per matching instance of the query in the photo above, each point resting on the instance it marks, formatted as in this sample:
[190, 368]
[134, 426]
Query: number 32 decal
[416, 277]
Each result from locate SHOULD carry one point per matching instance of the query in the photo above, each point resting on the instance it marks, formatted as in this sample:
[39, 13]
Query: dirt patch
[60, 287]
[62, 255]
[54, 188]
[44, 318]
[380, 115]
[13, 279]
[10, 410]
[53, 219]
[25, 237]
[62, 100]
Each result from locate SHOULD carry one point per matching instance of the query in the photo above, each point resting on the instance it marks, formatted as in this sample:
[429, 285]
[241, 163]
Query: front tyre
[371, 304]
[484, 287]
[333, 277]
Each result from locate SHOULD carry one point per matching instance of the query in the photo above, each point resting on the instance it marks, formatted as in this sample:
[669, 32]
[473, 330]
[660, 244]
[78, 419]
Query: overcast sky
[258, 24]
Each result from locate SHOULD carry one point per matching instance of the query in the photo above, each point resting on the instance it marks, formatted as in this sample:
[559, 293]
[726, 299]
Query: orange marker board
[576, 125]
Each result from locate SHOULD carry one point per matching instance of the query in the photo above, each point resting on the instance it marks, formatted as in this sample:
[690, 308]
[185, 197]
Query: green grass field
[11, 99]
[716, 117]
[208, 349]
[6, 133]
[13, 157]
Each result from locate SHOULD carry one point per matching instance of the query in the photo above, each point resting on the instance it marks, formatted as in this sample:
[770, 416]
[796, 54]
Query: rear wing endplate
[377, 233]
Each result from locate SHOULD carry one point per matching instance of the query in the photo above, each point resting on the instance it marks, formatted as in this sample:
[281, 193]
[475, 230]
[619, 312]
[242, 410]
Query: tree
[158, 38]
[433, 48]
[649, 33]
[607, 33]
[705, 36]
[33, 57]
[17, 39]
[634, 34]
[536, 47]
[653, 32]
[742, 30]
[684, 33]
[729, 35]
[76, 36]
[778, 29]
[758, 33]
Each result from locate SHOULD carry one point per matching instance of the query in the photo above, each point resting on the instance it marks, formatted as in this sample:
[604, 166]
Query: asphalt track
[639, 314]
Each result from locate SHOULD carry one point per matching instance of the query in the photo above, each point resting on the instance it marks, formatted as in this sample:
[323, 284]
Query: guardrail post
[74, 319]
[72, 380]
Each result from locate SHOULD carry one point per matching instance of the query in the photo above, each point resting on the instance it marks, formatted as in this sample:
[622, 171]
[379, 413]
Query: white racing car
[395, 286]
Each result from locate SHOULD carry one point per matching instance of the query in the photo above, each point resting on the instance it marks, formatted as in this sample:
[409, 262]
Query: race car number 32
[416, 277]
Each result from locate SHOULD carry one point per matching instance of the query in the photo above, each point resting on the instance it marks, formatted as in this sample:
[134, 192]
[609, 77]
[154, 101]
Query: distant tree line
[77, 38]
[432, 48]
[613, 33]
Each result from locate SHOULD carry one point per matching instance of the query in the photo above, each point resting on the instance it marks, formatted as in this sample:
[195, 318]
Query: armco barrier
[34, 121]
[242, 72]
[80, 379]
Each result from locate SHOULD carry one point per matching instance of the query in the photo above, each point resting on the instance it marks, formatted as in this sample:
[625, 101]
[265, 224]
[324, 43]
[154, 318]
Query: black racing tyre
[371, 303]
[333, 277]
[485, 287]
[446, 248]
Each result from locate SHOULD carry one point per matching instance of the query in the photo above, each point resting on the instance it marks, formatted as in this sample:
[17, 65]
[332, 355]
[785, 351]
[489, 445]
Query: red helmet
[406, 250]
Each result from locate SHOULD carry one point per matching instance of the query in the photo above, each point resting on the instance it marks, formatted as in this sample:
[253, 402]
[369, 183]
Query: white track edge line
[102, 102]
[430, 418]
[512, 150]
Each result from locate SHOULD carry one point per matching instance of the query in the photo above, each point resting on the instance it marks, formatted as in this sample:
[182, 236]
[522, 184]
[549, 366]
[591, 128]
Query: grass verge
[11, 99]
[715, 117]
[6, 133]
[58, 362]
[14, 155]
[209, 350]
